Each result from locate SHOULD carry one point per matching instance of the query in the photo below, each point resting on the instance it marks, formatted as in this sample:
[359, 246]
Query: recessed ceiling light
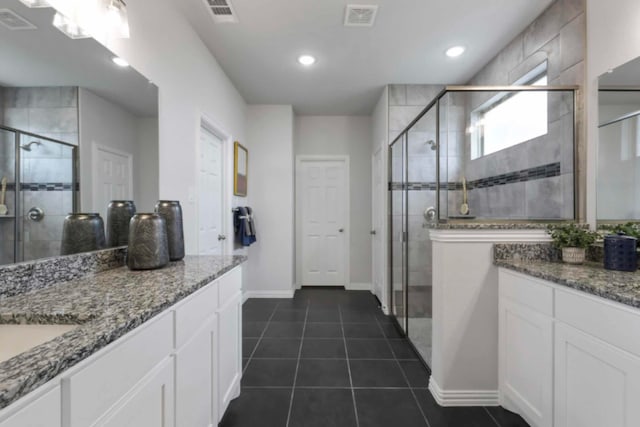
[120, 62]
[306, 60]
[455, 51]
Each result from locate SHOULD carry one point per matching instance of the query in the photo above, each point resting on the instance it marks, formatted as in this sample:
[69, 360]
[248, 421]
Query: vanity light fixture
[69, 27]
[306, 60]
[119, 61]
[100, 19]
[35, 3]
[455, 51]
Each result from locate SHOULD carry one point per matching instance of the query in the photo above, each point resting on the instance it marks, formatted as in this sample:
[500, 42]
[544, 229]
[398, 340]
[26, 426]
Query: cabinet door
[149, 404]
[229, 352]
[596, 384]
[42, 412]
[526, 362]
[196, 404]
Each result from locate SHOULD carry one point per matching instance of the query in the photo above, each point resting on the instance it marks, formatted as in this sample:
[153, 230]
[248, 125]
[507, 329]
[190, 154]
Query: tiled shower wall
[557, 36]
[47, 170]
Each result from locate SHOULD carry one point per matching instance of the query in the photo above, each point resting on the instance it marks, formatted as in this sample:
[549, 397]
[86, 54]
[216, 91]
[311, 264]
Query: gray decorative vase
[82, 232]
[119, 214]
[148, 244]
[171, 211]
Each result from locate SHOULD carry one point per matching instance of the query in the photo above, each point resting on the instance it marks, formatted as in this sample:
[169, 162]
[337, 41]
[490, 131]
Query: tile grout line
[346, 352]
[415, 398]
[295, 376]
[491, 416]
[264, 331]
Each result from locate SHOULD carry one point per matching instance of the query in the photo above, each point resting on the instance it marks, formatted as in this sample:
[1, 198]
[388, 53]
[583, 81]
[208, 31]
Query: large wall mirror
[76, 131]
[618, 175]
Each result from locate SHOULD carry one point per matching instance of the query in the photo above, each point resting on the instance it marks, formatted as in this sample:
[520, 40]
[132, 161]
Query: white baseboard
[463, 397]
[359, 287]
[267, 294]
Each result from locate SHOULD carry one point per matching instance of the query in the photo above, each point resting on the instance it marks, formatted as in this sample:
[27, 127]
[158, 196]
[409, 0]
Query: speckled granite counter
[480, 225]
[107, 305]
[591, 277]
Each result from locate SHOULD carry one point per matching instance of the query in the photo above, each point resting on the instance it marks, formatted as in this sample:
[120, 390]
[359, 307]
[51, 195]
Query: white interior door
[111, 178]
[324, 218]
[210, 202]
[377, 217]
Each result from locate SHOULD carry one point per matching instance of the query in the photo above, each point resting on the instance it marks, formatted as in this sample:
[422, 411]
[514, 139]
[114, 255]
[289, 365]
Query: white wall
[145, 184]
[165, 49]
[344, 135]
[613, 38]
[109, 125]
[271, 188]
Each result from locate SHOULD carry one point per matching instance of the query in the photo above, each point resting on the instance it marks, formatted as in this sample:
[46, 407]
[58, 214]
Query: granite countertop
[591, 277]
[106, 305]
[480, 225]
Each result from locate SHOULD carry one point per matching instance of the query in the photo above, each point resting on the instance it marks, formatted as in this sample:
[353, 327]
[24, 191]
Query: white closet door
[324, 216]
[210, 194]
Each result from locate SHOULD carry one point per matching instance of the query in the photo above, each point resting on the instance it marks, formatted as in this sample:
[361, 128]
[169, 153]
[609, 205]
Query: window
[510, 119]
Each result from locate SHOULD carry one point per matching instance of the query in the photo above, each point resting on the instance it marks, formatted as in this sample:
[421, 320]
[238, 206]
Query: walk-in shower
[474, 154]
[41, 189]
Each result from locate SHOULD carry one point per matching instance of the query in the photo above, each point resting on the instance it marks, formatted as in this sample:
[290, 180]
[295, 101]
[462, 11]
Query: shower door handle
[430, 214]
[35, 214]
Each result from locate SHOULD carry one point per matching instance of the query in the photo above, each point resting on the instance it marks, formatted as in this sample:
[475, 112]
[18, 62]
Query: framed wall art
[240, 169]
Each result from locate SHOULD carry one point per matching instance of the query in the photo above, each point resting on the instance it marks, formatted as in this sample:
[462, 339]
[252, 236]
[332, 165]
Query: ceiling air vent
[222, 10]
[357, 15]
[13, 21]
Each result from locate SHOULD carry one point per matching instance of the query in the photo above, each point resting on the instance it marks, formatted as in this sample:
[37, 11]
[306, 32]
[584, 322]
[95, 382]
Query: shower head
[27, 147]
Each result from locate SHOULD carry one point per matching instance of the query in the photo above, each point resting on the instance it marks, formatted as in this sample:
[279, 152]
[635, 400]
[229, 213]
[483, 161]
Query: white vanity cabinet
[196, 359]
[526, 347]
[179, 369]
[41, 409]
[229, 339]
[567, 358]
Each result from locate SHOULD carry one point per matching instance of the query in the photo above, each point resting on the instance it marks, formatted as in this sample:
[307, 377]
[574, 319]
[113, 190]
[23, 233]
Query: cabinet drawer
[530, 292]
[116, 369]
[192, 313]
[229, 285]
[613, 323]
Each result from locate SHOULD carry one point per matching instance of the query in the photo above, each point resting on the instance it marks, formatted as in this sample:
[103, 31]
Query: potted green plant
[573, 241]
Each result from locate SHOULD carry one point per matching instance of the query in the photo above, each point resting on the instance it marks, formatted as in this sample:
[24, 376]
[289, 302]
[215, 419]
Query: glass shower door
[8, 247]
[397, 232]
[47, 194]
[421, 195]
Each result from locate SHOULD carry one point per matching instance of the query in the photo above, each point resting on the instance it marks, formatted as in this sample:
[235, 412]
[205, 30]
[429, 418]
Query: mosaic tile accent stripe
[47, 186]
[540, 172]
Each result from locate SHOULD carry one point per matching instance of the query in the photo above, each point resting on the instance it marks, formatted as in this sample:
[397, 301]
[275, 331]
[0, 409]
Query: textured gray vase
[148, 244]
[171, 211]
[119, 215]
[82, 232]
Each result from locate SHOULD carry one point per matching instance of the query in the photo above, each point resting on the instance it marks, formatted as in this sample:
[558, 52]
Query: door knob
[222, 237]
[341, 230]
[372, 232]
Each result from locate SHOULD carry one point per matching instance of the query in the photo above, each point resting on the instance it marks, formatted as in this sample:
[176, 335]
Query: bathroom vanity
[144, 348]
[569, 347]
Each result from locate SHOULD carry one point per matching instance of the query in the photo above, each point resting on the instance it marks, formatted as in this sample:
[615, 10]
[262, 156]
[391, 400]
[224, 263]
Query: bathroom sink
[16, 339]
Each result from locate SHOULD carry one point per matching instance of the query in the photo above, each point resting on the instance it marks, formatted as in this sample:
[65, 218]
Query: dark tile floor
[330, 358]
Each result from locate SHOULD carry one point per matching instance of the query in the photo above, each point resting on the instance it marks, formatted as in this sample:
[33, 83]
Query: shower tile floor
[331, 358]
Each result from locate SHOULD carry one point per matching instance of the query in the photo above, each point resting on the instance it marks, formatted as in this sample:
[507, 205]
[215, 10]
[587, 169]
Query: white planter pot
[573, 255]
